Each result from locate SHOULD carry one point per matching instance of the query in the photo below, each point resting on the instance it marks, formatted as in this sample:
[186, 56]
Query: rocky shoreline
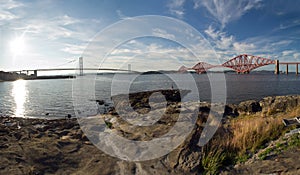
[39, 146]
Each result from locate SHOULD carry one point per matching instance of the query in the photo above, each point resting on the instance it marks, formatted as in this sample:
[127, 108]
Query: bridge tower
[129, 67]
[276, 66]
[80, 66]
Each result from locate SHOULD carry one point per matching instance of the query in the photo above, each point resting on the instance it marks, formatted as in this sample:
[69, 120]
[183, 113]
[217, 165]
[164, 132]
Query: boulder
[249, 107]
[277, 104]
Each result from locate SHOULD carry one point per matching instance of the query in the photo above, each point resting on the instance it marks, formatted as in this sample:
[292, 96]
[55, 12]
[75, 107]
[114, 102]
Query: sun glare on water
[19, 92]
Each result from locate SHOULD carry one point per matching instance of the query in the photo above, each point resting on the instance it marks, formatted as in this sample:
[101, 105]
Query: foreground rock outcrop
[268, 105]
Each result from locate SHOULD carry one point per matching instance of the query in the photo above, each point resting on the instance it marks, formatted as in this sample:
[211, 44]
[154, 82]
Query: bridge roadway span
[61, 69]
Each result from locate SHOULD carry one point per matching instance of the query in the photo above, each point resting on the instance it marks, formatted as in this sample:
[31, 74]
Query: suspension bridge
[81, 69]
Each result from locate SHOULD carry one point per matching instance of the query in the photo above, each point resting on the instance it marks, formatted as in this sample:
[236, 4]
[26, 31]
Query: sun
[17, 45]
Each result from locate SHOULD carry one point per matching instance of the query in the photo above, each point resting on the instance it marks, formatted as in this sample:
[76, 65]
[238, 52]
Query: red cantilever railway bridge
[241, 64]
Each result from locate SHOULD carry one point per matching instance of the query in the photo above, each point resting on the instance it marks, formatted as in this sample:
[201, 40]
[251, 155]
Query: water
[53, 98]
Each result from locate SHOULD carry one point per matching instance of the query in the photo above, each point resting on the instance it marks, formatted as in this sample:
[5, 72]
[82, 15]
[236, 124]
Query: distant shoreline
[54, 77]
[42, 78]
[31, 77]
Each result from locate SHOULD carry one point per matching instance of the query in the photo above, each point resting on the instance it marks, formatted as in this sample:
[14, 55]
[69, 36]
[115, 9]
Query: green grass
[213, 158]
[294, 141]
[263, 155]
[242, 158]
[291, 142]
[108, 124]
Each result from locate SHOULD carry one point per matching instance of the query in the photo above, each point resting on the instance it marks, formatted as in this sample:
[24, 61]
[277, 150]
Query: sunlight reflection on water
[19, 92]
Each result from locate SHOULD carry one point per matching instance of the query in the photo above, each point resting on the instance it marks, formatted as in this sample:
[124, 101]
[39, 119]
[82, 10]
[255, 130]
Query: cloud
[287, 52]
[197, 4]
[162, 33]
[281, 43]
[53, 37]
[50, 29]
[211, 32]
[73, 49]
[121, 15]
[10, 4]
[142, 53]
[243, 47]
[225, 42]
[59, 27]
[289, 24]
[6, 16]
[6, 8]
[66, 20]
[219, 39]
[273, 47]
[19, 18]
[176, 8]
[226, 11]
[296, 55]
[291, 54]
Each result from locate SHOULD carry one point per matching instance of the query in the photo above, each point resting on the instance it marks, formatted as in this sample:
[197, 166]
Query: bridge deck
[289, 62]
[66, 69]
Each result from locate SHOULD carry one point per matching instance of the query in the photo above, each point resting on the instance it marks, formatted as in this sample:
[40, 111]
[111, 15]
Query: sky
[37, 34]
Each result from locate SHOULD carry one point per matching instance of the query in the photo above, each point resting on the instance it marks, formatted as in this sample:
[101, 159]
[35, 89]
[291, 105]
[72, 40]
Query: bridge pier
[276, 67]
[35, 73]
[287, 66]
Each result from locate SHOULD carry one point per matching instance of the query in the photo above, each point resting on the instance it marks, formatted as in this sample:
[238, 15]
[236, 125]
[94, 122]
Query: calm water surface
[36, 98]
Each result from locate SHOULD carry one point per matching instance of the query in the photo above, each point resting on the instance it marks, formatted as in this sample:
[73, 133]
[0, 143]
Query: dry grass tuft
[242, 137]
[250, 133]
